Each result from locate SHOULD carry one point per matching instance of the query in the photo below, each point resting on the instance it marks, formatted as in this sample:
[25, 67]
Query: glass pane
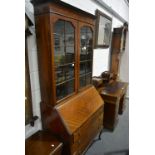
[86, 43]
[59, 47]
[64, 73]
[70, 86]
[83, 53]
[86, 53]
[89, 44]
[59, 27]
[64, 37]
[69, 42]
[89, 53]
[69, 39]
[88, 66]
[59, 59]
[82, 68]
[59, 33]
[89, 32]
[84, 29]
[70, 57]
[83, 43]
[64, 89]
[82, 81]
[59, 50]
[61, 91]
[60, 74]
[69, 71]
[83, 39]
[58, 40]
[88, 79]
[69, 28]
[89, 36]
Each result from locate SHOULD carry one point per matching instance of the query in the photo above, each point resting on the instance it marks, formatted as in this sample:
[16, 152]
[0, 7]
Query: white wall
[101, 56]
[90, 6]
[34, 79]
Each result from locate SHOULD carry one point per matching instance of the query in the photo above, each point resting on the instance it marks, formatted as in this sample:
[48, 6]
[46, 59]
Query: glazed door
[85, 55]
[64, 41]
[71, 57]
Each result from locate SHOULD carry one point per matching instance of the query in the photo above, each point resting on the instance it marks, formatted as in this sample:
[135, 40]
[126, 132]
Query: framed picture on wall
[103, 30]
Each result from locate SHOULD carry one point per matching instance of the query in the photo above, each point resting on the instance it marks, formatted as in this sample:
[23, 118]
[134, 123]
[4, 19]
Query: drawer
[101, 115]
[74, 149]
[76, 136]
[100, 111]
[89, 130]
[95, 121]
[101, 120]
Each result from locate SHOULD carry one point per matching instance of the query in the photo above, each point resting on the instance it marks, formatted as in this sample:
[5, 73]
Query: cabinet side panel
[52, 122]
[44, 57]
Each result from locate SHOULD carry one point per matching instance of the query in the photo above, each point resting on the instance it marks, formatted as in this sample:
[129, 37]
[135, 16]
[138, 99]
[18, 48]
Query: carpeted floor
[116, 142]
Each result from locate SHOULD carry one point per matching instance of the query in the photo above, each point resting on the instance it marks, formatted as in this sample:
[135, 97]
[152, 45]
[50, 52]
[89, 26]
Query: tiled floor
[116, 142]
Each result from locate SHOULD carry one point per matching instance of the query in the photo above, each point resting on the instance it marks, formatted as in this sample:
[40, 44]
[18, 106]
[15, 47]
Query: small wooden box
[42, 143]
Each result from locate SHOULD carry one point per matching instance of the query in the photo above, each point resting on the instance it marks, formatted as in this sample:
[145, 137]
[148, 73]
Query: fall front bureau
[76, 121]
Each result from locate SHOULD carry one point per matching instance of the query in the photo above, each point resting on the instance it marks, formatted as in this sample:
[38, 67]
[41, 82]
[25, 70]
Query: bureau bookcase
[71, 107]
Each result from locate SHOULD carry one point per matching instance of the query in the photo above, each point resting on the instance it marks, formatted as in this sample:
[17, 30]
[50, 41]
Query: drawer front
[74, 148]
[100, 111]
[101, 119]
[89, 130]
[87, 133]
[77, 135]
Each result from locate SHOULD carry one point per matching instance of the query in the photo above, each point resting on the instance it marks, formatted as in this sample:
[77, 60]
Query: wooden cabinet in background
[113, 95]
[118, 46]
[71, 107]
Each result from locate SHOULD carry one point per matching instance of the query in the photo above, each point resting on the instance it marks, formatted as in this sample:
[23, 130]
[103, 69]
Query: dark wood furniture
[43, 143]
[65, 38]
[71, 107]
[118, 46]
[113, 95]
[77, 121]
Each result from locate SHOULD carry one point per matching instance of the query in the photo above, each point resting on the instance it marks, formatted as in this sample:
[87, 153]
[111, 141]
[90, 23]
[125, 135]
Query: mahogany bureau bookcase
[71, 107]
